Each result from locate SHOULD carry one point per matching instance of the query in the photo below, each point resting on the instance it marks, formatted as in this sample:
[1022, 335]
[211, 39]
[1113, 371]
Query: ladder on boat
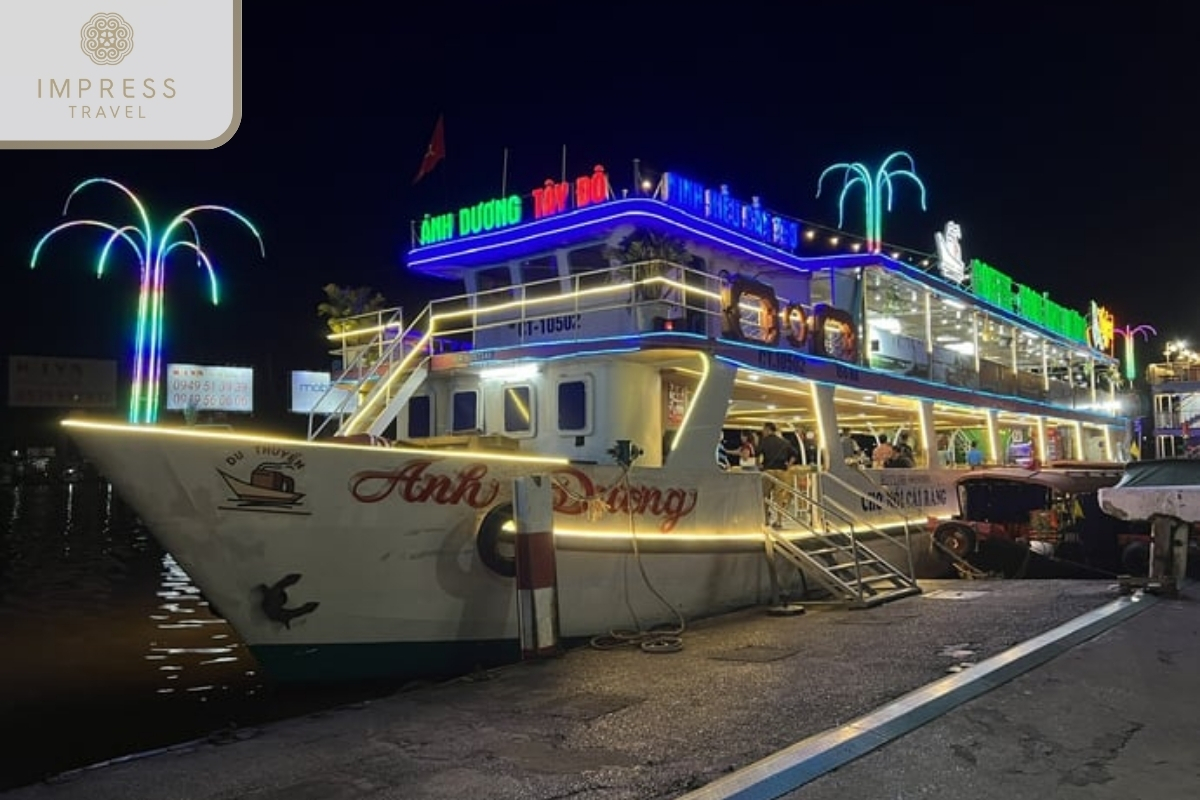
[387, 368]
[852, 572]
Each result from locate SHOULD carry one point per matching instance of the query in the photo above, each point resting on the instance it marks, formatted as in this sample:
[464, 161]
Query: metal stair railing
[964, 568]
[841, 563]
[405, 355]
[394, 374]
[889, 503]
[371, 361]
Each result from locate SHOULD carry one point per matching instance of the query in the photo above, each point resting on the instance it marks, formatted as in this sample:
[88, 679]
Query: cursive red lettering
[573, 491]
[415, 483]
[471, 487]
[371, 486]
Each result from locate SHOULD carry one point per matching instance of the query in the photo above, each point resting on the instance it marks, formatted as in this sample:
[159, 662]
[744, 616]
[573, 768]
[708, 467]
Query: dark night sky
[1055, 138]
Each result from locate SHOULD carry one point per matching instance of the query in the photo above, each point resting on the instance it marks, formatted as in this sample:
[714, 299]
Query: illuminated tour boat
[611, 344]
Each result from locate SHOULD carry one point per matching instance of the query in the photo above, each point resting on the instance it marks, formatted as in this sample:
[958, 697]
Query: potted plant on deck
[646, 255]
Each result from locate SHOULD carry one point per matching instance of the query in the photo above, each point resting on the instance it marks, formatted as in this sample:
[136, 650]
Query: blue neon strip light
[446, 259]
[498, 246]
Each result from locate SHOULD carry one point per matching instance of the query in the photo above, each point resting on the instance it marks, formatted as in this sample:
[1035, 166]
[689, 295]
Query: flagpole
[564, 164]
[504, 175]
[445, 183]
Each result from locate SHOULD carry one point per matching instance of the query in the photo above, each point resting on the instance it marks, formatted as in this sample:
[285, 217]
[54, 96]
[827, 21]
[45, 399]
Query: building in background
[1175, 398]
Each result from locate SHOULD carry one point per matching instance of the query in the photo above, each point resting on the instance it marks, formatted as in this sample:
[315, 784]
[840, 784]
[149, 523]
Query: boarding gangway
[830, 549]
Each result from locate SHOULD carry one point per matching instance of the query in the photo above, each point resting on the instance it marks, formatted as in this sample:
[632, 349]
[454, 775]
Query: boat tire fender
[956, 537]
[487, 542]
[1135, 558]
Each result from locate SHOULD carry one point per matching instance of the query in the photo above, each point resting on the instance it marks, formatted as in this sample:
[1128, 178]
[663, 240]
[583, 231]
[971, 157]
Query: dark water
[106, 647]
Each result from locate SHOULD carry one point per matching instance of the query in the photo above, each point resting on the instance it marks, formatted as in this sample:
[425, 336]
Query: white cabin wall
[624, 404]
[632, 409]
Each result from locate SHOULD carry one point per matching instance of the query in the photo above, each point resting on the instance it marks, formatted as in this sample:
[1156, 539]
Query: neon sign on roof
[720, 207]
[999, 289]
[1102, 331]
[555, 198]
[504, 212]
[490, 215]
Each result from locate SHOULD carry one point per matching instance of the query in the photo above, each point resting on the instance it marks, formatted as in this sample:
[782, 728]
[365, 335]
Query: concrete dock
[1004, 689]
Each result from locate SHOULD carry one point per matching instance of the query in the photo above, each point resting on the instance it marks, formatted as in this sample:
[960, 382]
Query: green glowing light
[152, 254]
[876, 187]
[994, 286]
[1130, 333]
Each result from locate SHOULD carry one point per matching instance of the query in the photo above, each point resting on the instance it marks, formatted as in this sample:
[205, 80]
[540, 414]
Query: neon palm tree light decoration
[876, 187]
[152, 253]
[1129, 334]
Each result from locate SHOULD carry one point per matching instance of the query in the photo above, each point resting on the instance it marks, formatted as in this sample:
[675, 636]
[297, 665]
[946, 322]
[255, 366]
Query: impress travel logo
[107, 39]
[137, 74]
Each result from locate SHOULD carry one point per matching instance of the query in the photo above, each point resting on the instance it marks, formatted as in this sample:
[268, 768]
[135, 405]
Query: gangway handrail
[846, 518]
[888, 503]
[830, 582]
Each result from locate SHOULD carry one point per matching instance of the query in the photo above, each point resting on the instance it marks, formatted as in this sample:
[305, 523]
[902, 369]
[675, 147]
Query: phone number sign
[209, 388]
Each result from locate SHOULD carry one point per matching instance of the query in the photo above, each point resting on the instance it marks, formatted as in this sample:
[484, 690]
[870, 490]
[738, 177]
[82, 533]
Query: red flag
[435, 153]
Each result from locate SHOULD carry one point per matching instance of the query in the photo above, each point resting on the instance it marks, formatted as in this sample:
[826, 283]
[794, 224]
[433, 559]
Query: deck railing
[611, 302]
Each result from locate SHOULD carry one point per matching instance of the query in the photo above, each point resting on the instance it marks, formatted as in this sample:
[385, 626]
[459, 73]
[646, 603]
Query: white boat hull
[382, 547]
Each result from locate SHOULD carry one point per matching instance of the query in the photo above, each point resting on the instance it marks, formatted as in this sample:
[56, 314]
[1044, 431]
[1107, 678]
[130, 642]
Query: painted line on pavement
[808, 759]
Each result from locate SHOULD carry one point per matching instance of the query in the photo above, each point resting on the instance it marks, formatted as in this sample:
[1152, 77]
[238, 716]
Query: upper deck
[709, 264]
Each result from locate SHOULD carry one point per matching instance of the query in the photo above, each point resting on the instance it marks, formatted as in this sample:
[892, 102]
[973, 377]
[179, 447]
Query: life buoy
[846, 348]
[488, 540]
[795, 322]
[849, 342]
[731, 326]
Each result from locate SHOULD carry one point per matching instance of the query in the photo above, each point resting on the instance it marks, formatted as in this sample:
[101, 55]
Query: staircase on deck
[384, 362]
[832, 552]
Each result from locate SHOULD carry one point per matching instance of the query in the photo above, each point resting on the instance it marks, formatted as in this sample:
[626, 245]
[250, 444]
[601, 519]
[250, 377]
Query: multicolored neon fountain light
[875, 187]
[152, 256]
[1130, 333]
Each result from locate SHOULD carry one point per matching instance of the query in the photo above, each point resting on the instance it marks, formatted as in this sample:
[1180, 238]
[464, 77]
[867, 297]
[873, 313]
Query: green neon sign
[992, 285]
[490, 215]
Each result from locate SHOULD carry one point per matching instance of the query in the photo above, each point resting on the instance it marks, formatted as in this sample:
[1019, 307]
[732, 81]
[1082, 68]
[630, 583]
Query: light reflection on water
[107, 648]
[182, 610]
[101, 629]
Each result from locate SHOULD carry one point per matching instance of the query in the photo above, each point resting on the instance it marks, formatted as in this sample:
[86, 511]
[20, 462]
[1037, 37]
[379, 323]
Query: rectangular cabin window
[493, 287]
[518, 409]
[420, 416]
[589, 267]
[573, 412]
[464, 411]
[493, 278]
[821, 287]
[539, 277]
